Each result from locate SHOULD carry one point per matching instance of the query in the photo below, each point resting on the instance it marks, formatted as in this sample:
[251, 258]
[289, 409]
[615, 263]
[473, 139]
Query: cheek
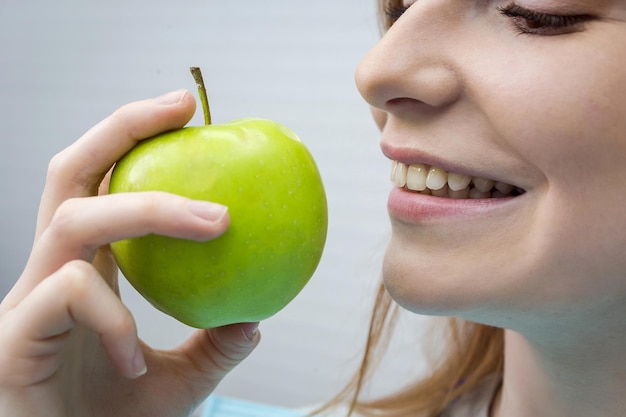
[577, 140]
[559, 103]
[572, 128]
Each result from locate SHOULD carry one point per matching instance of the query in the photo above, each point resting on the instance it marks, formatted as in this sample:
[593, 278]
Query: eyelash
[531, 22]
[526, 21]
[394, 12]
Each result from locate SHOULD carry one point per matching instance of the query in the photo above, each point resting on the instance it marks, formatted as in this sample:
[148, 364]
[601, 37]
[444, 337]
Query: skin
[455, 82]
[452, 81]
[68, 345]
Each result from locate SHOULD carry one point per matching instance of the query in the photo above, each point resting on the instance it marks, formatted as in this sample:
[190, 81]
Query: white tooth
[399, 174]
[503, 187]
[476, 193]
[457, 182]
[436, 179]
[442, 192]
[459, 194]
[484, 185]
[416, 177]
[392, 177]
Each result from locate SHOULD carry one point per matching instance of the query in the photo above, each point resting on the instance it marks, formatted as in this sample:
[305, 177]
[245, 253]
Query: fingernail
[173, 97]
[139, 363]
[208, 211]
[250, 330]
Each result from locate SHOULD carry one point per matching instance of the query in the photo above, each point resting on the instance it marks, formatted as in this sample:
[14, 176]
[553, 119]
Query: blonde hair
[472, 352]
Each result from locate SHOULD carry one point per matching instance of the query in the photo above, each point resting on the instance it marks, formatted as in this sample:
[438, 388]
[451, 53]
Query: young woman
[505, 122]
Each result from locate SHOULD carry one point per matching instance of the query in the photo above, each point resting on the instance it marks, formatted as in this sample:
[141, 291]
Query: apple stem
[197, 76]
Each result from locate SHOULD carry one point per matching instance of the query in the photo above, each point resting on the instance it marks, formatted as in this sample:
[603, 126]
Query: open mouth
[430, 180]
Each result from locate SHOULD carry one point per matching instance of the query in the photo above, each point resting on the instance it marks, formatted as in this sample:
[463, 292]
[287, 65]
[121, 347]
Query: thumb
[213, 353]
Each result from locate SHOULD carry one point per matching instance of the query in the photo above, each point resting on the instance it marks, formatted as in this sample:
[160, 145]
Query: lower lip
[413, 207]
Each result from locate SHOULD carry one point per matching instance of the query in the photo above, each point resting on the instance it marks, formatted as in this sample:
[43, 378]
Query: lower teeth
[468, 193]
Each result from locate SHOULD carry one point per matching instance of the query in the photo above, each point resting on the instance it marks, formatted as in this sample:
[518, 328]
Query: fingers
[34, 333]
[78, 170]
[81, 225]
[213, 353]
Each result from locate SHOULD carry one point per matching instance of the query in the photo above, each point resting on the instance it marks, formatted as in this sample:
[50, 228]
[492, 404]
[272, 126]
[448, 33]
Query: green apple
[278, 210]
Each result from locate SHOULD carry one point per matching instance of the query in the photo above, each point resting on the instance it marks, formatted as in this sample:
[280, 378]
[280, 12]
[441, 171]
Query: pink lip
[413, 207]
[412, 156]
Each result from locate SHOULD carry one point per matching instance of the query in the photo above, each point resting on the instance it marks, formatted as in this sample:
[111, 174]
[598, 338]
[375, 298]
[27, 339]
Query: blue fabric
[216, 406]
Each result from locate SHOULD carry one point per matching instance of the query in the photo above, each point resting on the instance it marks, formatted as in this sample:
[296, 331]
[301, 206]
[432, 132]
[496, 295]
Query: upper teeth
[438, 182]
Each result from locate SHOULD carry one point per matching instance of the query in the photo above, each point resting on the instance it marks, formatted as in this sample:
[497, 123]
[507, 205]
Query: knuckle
[63, 170]
[123, 121]
[156, 209]
[225, 354]
[77, 277]
[83, 283]
[150, 201]
[62, 220]
[57, 166]
[124, 323]
[149, 206]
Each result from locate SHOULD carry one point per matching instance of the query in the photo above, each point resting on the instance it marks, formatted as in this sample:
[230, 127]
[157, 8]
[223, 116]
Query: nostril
[434, 86]
[399, 101]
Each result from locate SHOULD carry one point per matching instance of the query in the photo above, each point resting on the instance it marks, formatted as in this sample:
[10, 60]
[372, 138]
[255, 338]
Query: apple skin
[278, 221]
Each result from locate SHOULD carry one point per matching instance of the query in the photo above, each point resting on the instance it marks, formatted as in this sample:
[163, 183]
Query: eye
[532, 22]
[393, 10]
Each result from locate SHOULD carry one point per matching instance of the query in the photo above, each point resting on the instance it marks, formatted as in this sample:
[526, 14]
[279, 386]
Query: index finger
[78, 170]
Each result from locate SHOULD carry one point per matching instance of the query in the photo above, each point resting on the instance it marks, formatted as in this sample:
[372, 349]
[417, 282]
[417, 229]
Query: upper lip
[410, 156]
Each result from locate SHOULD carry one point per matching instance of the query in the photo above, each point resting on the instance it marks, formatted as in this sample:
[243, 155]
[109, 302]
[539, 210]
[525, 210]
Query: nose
[412, 64]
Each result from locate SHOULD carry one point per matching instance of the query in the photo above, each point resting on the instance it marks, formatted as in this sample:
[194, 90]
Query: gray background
[64, 65]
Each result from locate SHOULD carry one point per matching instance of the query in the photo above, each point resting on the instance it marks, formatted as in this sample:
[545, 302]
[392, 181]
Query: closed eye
[393, 10]
[532, 22]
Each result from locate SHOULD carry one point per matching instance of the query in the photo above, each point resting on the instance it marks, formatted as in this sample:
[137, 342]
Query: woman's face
[529, 100]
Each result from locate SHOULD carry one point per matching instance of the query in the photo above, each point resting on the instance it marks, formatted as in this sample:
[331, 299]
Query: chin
[446, 283]
[418, 283]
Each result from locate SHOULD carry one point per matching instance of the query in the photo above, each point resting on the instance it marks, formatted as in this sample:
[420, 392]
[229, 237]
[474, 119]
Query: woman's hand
[68, 345]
